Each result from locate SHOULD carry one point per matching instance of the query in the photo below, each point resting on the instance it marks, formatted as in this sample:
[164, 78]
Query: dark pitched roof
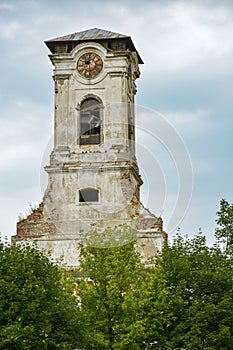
[94, 34]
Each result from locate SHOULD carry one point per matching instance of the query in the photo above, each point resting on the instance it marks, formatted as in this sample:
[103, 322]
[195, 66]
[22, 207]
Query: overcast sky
[185, 88]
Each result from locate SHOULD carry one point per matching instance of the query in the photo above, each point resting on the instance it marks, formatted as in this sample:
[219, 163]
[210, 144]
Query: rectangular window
[88, 195]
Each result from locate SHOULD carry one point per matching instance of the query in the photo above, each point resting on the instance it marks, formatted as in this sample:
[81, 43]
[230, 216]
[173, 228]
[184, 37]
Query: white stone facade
[106, 169]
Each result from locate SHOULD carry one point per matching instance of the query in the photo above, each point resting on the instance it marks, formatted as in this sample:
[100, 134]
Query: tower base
[63, 246]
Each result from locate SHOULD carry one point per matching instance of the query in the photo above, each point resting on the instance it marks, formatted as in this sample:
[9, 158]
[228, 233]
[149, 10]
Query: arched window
[90, 122]
[88, 195]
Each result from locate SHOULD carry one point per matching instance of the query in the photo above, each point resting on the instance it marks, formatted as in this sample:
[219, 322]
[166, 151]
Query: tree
[110, 271]
[38, 308]
[183, 302]
[199, 284]
[224, 231]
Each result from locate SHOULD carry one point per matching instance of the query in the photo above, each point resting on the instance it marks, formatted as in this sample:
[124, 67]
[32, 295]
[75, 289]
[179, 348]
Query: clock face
[89, 65]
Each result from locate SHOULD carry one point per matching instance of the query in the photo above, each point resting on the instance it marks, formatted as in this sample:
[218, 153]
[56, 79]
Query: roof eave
[51, 43]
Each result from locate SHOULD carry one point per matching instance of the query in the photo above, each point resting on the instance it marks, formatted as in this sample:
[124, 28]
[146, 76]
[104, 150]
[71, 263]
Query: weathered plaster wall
[110, 167]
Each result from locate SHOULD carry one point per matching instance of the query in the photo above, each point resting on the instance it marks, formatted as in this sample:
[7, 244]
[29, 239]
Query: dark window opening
[88, 195]
[90, 122]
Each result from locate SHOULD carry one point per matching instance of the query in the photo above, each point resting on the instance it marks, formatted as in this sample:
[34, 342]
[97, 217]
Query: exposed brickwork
[149, 223]
[34, 225]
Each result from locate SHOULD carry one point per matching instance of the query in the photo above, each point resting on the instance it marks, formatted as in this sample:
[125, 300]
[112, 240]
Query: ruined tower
[93, 175]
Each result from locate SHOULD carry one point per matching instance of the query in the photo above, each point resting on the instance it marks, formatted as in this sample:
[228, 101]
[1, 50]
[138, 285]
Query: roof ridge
[93, 34]
[90, 34]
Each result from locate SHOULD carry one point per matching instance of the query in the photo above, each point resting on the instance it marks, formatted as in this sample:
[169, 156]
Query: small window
[88, 195]
[90, 122]
[61, 48]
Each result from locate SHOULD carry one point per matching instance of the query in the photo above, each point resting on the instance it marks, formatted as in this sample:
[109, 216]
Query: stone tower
[93, 172]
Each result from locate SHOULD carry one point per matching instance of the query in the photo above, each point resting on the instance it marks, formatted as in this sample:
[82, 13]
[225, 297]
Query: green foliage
[38, 309]
[110, 237]
[184, 301]
[224, 231]
[199, 280]
[108, 291]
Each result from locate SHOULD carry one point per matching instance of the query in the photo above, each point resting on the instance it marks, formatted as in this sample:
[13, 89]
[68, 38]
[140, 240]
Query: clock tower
[93, 175]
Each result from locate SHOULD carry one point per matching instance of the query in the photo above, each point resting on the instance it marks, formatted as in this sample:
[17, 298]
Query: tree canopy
[108, 289]
[183, 301]
[199, 283]
[224, 230]
[37, 307]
